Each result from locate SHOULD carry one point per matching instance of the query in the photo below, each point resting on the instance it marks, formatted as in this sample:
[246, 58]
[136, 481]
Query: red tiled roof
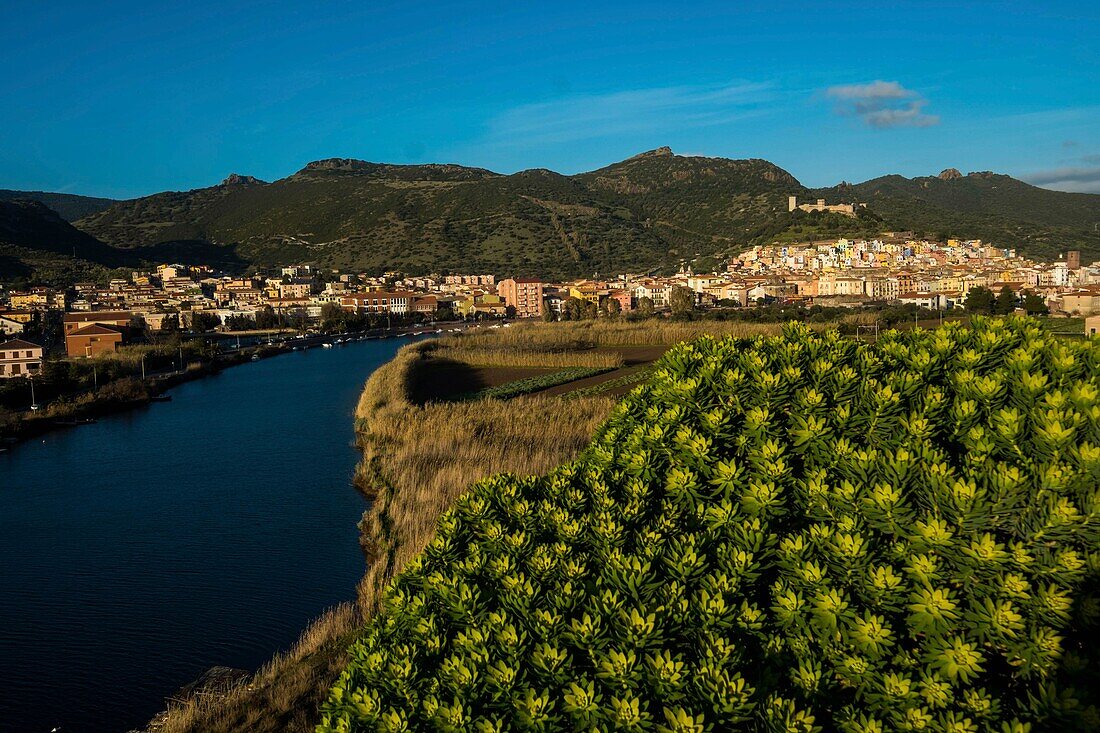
[96, 329]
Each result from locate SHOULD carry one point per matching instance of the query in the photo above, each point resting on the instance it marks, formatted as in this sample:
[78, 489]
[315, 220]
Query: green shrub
[799, 533]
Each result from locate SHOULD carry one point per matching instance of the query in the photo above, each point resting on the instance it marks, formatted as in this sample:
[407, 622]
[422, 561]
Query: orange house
[93, 339]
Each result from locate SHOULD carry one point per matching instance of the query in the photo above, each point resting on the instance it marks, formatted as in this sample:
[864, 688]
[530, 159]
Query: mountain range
[649, 212]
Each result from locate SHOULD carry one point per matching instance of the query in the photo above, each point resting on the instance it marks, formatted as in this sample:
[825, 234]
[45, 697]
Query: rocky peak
[338, 164]
[661, 152]
[236, 179]
[950, 174]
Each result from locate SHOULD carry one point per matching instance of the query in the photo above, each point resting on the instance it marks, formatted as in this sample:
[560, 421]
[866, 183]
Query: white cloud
[882, 104]
[661, 109]
[1079, 179]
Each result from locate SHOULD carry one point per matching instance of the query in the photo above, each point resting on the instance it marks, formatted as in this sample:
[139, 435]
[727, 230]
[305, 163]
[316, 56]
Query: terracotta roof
[96, 329]
[18, 344]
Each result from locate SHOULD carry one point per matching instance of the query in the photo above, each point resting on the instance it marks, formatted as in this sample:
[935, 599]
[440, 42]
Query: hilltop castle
[846, 209]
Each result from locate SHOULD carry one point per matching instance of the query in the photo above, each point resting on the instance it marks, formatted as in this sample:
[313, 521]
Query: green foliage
[980, 300]
[800, 533]
[1034, 305]
[681, 300]
[1005, 302]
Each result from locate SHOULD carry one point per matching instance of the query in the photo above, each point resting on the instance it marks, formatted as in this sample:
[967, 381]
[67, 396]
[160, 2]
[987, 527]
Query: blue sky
[128, 98]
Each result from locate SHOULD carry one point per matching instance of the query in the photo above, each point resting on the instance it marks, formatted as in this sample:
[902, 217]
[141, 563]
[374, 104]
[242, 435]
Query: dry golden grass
[511, 357]
[417, 459]
[580, 334]
[285, 694]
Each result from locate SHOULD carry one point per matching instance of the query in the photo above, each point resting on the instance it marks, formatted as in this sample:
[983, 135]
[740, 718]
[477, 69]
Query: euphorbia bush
[796, 533]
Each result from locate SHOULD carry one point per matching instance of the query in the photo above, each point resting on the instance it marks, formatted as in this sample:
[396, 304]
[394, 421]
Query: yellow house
[33, 299]
[585, 290]
[483, 303]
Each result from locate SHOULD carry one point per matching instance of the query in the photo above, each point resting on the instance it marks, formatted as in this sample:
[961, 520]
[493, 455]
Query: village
[91, 319]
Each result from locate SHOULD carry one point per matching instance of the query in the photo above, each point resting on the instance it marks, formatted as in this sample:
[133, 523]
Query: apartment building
[523, 294]
[377, 302]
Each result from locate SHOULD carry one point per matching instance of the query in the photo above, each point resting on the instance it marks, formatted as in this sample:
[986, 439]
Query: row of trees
[681, 301]
[982, 301]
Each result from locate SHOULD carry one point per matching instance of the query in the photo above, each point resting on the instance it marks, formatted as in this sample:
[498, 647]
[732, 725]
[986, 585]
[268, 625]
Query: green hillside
[649, 212]
[987, 206]
[69, 207]
[37, 245]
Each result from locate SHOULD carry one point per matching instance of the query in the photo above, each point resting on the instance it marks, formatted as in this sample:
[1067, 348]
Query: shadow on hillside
[192, 252]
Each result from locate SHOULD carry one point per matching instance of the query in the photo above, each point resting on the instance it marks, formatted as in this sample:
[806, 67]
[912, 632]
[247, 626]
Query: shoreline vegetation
[71, 396]
[422, 447]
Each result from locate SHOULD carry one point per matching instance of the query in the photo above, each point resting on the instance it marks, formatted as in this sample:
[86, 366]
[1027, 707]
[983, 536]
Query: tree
[979, 300]
[547, 312]
[1006, 302]
[591, 310]
[266, 318]
[1034, 304]
[573, 310]
[202, 321]
[612, 308]
[645, 306]
[333, 317]
[681, 300]
[240, 323]
[171, 323]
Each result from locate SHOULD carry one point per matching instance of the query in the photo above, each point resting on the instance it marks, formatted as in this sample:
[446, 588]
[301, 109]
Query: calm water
[140, 551]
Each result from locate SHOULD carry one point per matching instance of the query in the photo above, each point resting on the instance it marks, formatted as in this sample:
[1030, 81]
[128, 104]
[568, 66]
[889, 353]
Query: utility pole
[143, 368]
[34, 402]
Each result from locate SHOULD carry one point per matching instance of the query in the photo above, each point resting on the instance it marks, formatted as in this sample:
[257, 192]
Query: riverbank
[129, 393]
[420, 451]
[156, 544]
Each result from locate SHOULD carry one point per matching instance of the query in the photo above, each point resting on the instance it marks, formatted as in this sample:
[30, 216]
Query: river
[137, 552]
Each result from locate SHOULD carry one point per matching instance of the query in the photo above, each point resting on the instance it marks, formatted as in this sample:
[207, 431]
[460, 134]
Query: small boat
[326, 345]
[77, 421]
[161, 398]
[255, 357]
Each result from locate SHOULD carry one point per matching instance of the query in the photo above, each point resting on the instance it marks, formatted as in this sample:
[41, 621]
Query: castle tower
[1073, 260]
[792, 203]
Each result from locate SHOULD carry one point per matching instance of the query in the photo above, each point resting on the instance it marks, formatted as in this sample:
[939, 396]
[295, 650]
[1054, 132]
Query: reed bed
[581, 334]
[510, 357]
[284, 694]
[417, 459]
